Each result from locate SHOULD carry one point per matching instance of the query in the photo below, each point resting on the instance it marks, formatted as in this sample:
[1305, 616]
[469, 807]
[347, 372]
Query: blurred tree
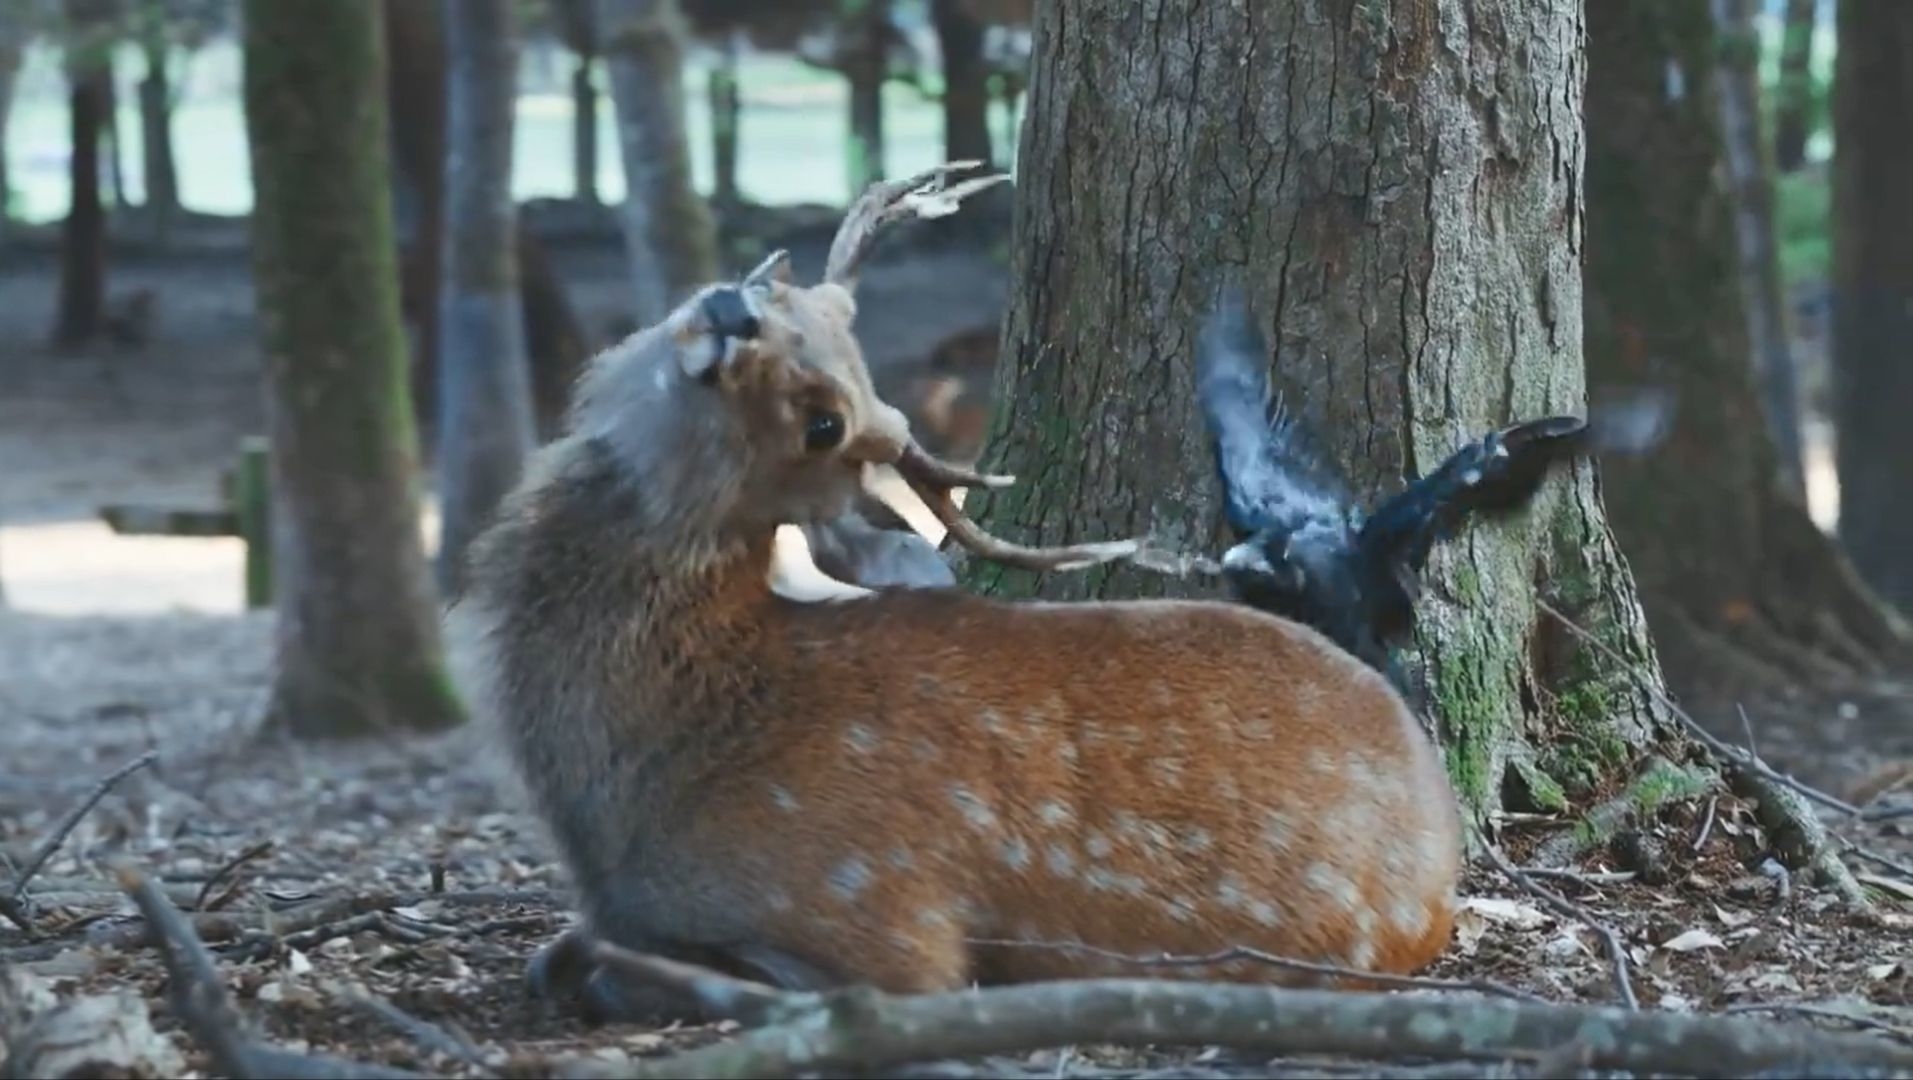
[1751, 176]
[1745, 594]
[727, 24]
[966, 90]
[89, 74]
[1793, 107]
[1408, 217]
[667, 228]
[13, 42]
[358, 640]
[415, 96]
[162, 28]
[866, 33]
[578, 22]
[1873, 291]
[486, 426]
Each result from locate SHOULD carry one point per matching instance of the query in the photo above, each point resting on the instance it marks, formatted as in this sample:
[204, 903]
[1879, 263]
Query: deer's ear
[836, 299]
[716, 323]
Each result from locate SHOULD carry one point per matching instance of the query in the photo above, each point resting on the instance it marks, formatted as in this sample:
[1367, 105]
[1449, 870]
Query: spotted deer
[912, 789]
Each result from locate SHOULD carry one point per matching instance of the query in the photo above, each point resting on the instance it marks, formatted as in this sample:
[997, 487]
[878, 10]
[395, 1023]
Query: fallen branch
[248, 854]
[200, 999]
[865, 1029]
[1611, 941]
[428, 1036]
[50, 845]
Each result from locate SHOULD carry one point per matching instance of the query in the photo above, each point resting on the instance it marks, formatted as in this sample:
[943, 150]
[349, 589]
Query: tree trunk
[966, 91]
[359, 647]
[1751, 174]
[555, 343]
[415, 84]
[83, 236]
[156, 138]
[12, 41]
[486, 427]
[1794, 94]
[667, 228]
[865, 26]
[115, 146]
[725, 111]
[1729, 564]
[584, 129]
[1406, 211]
[1873, 291]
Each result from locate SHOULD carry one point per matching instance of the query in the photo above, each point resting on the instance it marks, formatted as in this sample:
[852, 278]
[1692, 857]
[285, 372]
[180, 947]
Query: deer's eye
[823, 430]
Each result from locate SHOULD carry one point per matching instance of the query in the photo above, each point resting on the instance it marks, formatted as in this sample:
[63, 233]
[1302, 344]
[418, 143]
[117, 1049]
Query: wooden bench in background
[246, 491]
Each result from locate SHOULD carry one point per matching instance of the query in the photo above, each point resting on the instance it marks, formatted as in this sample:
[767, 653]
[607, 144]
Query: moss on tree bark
[1399, 187]
[358, 637]
[1743, 591]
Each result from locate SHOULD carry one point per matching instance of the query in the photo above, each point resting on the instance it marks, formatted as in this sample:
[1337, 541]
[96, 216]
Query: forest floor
[322, 874]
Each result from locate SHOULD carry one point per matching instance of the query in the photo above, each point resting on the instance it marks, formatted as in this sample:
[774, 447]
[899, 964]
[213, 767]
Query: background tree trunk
[1745, 594]
[359, 647]
[1873, 292]
[156, 137]
[726, 110]
[486, 424]
[1751, 174]
[1403, 202]
[115, 151]
[555, 343]
[12, 44]
[83, 236]
[415, 97]
[866, 61]
[966, 91]
[667, 228]
[584, 129]
[1794, 93]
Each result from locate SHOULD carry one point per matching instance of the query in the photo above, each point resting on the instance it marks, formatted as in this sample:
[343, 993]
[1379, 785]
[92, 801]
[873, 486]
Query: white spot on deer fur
[1168, 770]
[1196, 840]
[1232, 892]
[901, 858]
[1407, 915]
[975, 810]
[1098, 846]
[784, 799]
[934, 917]
[1365, 920]
[850, 877]
[1180, 908]
[1016, 853]
[1228, 790]
[1278, 830]
[1103, 880]
[778, 900]
[1067, 751]
[860, 738]
[1361, 955]
[1264, 912]
[1325, 879]
[992, 721]
[1258, 728]
[1054, 812]
[926, 750]
[1061, 862]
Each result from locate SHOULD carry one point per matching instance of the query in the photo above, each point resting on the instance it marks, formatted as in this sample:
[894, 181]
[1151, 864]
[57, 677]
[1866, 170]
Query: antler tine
[923, 195]
[932, 480]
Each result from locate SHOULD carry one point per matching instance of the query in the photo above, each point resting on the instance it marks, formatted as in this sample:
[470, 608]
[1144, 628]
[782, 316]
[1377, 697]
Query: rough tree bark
[1750, 173]
[866, 61]
[668, 231]
[1873, 291]
[83, 235]
[1744, 592]
[966, 90]
[1402, 198]
[415, 99]
[156, 134]
[1793, 104]
[486, 427]
[358, 632]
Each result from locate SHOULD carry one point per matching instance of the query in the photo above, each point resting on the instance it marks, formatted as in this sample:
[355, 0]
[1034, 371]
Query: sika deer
[871, 789]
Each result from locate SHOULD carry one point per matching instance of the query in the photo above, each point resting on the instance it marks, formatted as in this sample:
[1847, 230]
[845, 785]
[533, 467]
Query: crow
[1304, 549]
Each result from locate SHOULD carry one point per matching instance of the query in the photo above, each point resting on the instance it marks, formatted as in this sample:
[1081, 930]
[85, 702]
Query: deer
[918, 790]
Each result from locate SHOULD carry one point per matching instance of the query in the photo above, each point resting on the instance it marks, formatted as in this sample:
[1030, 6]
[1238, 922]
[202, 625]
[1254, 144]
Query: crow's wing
[1272, 479]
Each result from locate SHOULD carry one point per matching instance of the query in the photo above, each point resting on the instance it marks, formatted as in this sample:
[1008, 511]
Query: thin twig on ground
[207, 1011]
[246, 855]
[65, 828]
[429, 1036]
[1707, 825]
[1824, 1012]
[1591, 879]
[1240, 953]
[865, 1029]
[718, 995]
[1611, 941]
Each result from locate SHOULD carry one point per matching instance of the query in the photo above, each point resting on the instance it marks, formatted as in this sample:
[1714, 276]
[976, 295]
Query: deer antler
[921, 196]
[932, 479]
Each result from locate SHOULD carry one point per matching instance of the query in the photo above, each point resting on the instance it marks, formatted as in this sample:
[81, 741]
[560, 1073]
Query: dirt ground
[400, 869]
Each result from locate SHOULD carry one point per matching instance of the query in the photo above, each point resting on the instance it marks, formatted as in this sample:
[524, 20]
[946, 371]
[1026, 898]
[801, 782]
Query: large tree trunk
[584, 129]
[1873, 292]
[83, 236]
[359, 647]
[156, 138]
[866, 62]
[1794, 94]
[667, 228]
[1750, 172]
[1745, 594]
[115, 146]
[726, 110]
[966, 91]
[1406, 211]
[486, 427]
[415, 88]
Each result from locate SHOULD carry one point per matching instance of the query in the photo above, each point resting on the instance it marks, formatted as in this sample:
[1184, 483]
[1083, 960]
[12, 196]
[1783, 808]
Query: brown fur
[868, 787]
